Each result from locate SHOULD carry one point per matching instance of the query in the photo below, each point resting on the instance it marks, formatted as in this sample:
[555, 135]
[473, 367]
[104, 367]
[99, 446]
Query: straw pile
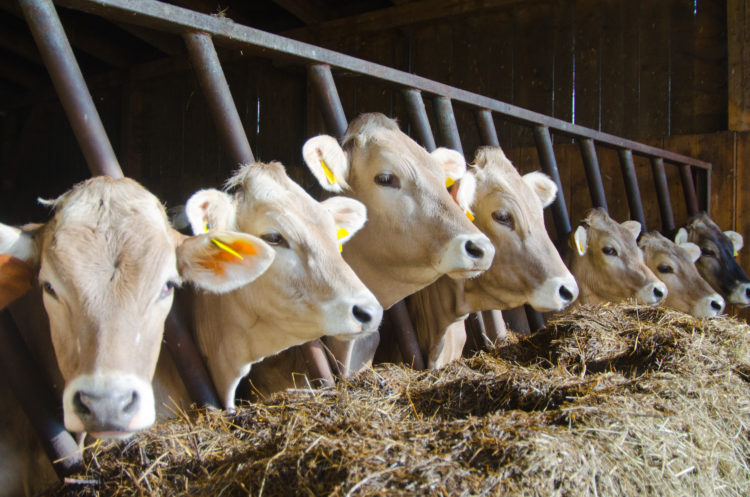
[612, 400]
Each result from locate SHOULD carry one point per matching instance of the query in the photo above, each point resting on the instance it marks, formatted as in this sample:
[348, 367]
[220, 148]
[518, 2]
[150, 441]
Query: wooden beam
[738, 37]
[307, 11]
[168, 44]
[394, 17]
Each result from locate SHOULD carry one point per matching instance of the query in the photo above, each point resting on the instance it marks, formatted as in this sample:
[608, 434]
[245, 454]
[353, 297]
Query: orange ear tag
[341, 233]
[329, 174]
[226, 248]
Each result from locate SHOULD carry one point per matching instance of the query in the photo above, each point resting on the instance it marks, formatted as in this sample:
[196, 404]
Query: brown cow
[675, 265]
[608, 264]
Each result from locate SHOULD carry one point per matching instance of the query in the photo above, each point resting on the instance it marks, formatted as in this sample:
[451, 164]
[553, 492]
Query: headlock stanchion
[688, 187]
[631, 187]
[593, 173]
[662, 190]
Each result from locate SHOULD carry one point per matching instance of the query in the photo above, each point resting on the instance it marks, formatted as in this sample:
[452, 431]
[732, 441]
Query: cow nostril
[715, 305]
[79, 403]
[566, 294]
[747, 292]
[361, 315]
[132, 405]
[658, 293]
[474, 250]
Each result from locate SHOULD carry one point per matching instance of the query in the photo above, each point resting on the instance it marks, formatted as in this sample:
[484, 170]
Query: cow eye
[47, 287]
[664, 268]
[609, 251]
[708, 252]
[274, 238]
[167, 289]
[387, 179]
[504, 217]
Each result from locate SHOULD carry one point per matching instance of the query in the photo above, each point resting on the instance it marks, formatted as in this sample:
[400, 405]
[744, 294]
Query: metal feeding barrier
[199, 32]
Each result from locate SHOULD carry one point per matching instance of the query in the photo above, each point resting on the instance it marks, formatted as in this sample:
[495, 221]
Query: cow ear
[453, 163]
[466, 193]
[209, 210]
[223, 261]
[542, 185]
[737, 240]
[681, 236]
[580, 240]
[327, 161]
[19, 243]
[349, 215]
[693, 250]
[634, 227]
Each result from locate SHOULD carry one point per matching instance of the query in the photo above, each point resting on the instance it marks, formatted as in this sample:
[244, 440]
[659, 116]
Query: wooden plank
[654, 68]
[564, 59]
[738, 20]
[710, 44]
[588, 38]
[742, 223]
[613, 61]
[683, 76]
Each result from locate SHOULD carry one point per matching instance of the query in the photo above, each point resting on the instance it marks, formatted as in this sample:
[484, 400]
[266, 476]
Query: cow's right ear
[693, 250]
[327, 161]
[736, 239]
[452, 162]
[19, 258]
[223, 261]
[681, 236]
[580, 240]
[209, 210]
[19, 243]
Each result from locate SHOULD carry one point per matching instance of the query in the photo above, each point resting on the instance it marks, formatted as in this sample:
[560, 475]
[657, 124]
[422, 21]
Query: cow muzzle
[740, 296]
[353, 316]
[708, 307]
[466, 256]
[555, 294]
[109, 405]
[652, 294]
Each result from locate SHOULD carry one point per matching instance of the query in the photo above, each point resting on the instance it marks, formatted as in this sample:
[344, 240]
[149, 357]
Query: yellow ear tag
[226, 248]
[341, 233]
[470, 215]
[575, 243]
[329, 174]
[205, 227]
[735, 252]
[449, 182]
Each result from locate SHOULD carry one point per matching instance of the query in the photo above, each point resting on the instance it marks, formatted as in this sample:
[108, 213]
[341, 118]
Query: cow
[526, 268]
[608, 265]
[717, 263]
[674, 264]
[108, 263]
[307, 292]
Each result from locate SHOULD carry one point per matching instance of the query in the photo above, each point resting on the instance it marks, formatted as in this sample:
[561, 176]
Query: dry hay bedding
[610, 400]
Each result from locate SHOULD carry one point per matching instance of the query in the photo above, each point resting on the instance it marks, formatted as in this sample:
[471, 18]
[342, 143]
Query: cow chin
[464, 274]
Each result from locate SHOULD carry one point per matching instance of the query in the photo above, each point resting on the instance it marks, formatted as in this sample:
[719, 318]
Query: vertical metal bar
[517, 320]
[406, 335]
[549, 166]
[446, 123]
[74, 95]
[486, 125]
[688, 188]
[417, 113]
[330, 103]
[593, 173]
[36, 398]
[536, 320]
[662, 194]
[631, 186]
[211, 78]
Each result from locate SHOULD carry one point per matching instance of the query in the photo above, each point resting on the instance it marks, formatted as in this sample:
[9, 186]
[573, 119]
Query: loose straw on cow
[609, 400]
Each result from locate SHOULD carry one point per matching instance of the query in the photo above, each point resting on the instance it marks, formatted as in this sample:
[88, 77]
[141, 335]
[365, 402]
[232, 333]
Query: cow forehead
[654, 244]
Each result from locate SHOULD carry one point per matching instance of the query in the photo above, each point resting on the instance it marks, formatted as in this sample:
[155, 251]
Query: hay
[612, 400]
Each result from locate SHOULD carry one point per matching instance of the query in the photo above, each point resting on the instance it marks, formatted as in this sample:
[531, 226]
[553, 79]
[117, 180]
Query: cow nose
[361, 315]
[747, 293]
[109, 411]
[658, 293]
[715, 305]
[475, 250]
[566, 294]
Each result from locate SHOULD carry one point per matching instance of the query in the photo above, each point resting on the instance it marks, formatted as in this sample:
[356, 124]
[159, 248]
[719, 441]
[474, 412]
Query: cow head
[608, 264]
[309, 290]
[508, 209]
[675, 265]
[108, 263]
[414, 233]
[717, 263]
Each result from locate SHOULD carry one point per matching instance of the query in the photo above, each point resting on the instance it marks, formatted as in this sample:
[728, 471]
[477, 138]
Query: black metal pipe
[328, 97]
[688, 188]
[417, 113]
[593, 173]
[548, 162]
[61, 64]
[317, 363]
[662, 195]
[486, 125]
[36, 398]
[536, 319]
[631, 186]
[446, 123]
[211, 78]
[406, 335]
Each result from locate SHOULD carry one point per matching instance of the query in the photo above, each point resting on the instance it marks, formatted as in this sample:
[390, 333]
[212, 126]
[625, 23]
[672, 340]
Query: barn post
[631, 186]
[593, 173]
[662, 194]
[516, 318]
[688, 188]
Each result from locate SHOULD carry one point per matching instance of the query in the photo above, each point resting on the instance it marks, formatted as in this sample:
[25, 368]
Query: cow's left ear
[210, 209]
[634, 227]
[349, 216]
[20, 243]
[465, 193]
[223, 261]
[327, 161]
[580, 240]
[453, 163]
[542, 185]
[737, 240]
[681, 236]
[693, 250]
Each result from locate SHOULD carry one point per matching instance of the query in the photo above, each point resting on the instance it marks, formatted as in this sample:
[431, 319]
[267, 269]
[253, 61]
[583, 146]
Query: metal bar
[218, 96]
[688, 188]
[317, 363]
[517, 320]
[330, 103]
[36, 398]
[549, 166]
[173, 19]
[536, 320]
[593, 173]
[417, 113]
[187, 360]
[74, 95]
[406, 335]
[446, 124]
[631, 187]
[486, 125]
[662, 194]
